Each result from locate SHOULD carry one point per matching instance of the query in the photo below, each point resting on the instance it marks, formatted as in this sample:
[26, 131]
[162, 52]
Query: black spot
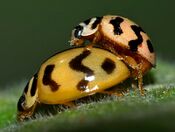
[135, 43]
[82, 85]
[20, 102]
[47, 80]
[26, 88]
[87, 21]
[76, 64]
[78, 31]
[116, 23]
[150, 46]
[108, 65]
[34, 85]
[97, 21]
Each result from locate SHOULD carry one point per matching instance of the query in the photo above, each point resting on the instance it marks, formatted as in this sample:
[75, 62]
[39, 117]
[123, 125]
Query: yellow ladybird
[70, 75]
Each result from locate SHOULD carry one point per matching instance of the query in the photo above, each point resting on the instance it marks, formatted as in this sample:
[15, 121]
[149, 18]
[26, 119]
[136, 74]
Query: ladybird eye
[78, 31]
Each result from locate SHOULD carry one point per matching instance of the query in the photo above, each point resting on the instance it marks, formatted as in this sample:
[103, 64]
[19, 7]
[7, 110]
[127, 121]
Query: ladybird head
[27, 101]
[84, 30]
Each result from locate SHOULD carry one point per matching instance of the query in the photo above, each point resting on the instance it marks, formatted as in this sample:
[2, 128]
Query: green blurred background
[30, 31]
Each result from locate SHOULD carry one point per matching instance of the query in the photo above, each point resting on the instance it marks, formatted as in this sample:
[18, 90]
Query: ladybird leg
[134, 84]
[136, 72]
[140, 80]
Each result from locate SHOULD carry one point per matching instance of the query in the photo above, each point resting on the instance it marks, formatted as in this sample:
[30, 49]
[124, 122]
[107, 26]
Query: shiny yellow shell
[68, 78]
[70, 75]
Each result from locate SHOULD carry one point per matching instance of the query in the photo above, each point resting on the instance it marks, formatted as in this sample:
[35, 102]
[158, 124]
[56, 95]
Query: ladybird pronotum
[121, 36]
[70, 75]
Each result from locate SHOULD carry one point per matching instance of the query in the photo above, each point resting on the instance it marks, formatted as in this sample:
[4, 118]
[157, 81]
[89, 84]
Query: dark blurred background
[30, 31]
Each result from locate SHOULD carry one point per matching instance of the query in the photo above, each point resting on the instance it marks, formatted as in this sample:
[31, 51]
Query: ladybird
[121, 36]
[70, 75]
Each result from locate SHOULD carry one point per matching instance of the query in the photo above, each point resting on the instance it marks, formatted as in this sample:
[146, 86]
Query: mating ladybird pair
[124, 51]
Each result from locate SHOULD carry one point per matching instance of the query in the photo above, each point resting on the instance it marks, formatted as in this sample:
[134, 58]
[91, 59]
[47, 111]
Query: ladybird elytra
[70, 75]
[66, 76]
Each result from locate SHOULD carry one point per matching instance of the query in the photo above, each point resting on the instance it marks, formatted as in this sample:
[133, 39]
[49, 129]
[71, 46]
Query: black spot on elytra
[150, 46]
[20, 102]
[135, 43]
[82, 85]
[34, 85]
[108, 65]
[76, 64]
[96, 22]
[116, 23]
[78, 31]
[47, 80]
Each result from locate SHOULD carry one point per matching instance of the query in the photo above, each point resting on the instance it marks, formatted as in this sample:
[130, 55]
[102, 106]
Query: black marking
[150, 46]
[108, 65]
[82, 85]
[47, 80]
[96, 22]
[34, 85]
[116, 23]
[78, 31]
[135, 43]
[26, 88]
[76, 64]
[87, 21]
[20, 102]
